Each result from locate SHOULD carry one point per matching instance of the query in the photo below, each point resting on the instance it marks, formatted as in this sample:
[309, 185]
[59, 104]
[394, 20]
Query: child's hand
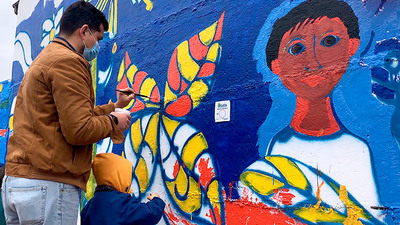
[152, 195]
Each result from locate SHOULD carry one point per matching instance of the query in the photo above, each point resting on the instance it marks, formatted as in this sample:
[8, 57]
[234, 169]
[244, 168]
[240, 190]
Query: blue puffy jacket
[112, 203]
[117, 208]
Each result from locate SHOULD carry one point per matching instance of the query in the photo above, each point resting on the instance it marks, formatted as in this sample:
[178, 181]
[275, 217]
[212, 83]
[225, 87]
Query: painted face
[313, 57]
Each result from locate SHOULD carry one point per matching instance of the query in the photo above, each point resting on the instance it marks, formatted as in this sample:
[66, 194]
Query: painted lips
[312, 80]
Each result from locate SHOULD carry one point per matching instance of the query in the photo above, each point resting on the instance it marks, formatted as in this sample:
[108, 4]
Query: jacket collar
[65, 43]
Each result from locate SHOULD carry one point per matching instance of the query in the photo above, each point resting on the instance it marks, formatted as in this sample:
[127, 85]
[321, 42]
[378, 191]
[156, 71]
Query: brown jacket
[55, 121]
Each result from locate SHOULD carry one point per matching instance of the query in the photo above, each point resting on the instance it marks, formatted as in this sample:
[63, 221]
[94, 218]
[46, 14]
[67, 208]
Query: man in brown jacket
[55, 124]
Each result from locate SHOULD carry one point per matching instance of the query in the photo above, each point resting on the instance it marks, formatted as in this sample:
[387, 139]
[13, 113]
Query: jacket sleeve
[145, 213]
[104, 109]
[72, 90]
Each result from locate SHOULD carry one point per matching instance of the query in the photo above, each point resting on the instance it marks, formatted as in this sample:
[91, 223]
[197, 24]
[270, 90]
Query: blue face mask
[92, 53]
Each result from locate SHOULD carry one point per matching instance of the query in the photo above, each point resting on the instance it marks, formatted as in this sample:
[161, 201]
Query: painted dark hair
[79, 14]
[311, 9]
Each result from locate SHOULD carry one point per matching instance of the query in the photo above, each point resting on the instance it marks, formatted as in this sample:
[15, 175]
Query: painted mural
[313, 136]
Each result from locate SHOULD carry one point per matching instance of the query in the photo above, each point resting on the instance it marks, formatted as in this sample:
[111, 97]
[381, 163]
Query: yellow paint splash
[213, 53]
[11, 123]
[353, 211]
[142, 174]
[187, 66]
[318, 213]
[197, 91]
[136, 135]
[213, 195]
[93, 70]
[192, 200]
[149, 5]
[318, 196]
[131, 72]
[121, 70]
[90, 187]
[169, 95]
[193, 148]
[52, 34]
[170, 125]
[290, 171]
[260, 183]
[206, 36]
[151, 133]
[147, 86]
[112, 16]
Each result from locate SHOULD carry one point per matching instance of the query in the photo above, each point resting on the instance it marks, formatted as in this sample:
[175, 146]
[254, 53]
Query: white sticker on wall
[222, 111]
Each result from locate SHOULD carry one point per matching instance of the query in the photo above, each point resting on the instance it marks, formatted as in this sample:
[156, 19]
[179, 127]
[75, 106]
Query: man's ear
[83, 29]
[275, 67]
[353, 46]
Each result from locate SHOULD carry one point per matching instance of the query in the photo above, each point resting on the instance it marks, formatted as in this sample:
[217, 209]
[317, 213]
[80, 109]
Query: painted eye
[330, 40]
[296, 49]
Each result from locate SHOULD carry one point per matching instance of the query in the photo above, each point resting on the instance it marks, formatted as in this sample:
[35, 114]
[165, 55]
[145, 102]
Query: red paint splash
[139, 105]
[176, 169]
[123, 84]
[218, 34]
[183, 86]
[206, 172]
[211, 216]
[139, 77]
[244, 211]
[207, 70]
[114, 48]
[197, 49]
[180, 107]
[155, 95]
[127, 60]
[175, 220]
[283, 196]
[173, 73]
[217, 216]
[230, 189]
[3, 132]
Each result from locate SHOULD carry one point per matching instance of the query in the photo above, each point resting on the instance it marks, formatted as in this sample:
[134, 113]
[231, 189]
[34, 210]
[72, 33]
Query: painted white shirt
[343, 157]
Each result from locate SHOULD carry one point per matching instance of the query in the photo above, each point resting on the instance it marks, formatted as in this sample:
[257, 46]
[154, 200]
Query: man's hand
[124, 98]
[124, 120]
[152, 195]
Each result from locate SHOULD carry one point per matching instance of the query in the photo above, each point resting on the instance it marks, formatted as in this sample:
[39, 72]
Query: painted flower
[51, 28]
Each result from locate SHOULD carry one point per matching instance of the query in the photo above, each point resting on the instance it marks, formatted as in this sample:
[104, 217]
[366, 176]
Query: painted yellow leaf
[187, 66]
[260, 183]
[290, 171]
[193, 148]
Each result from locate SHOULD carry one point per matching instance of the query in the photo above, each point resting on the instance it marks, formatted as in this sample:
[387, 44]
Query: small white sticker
[222, 111]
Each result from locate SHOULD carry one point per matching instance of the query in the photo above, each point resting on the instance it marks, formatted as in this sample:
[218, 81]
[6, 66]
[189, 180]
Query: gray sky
[8, 24]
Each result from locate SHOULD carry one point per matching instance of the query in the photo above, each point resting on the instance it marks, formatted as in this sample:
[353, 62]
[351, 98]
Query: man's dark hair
[79, 14]
[311, 9]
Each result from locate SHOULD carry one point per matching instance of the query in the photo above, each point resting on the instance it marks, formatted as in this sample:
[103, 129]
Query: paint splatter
[210, 215]
[175, 220]
[283, 196]
[176, 169]
[206, 173]
[243, 211]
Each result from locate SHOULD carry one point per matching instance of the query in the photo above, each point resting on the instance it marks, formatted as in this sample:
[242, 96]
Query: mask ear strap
[92, 35]
[84, 43]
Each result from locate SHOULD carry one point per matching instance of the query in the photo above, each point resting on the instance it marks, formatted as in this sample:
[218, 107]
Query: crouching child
[112, 203]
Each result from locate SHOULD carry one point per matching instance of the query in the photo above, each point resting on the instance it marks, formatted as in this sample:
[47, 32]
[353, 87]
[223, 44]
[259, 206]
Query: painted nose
[313, 63]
